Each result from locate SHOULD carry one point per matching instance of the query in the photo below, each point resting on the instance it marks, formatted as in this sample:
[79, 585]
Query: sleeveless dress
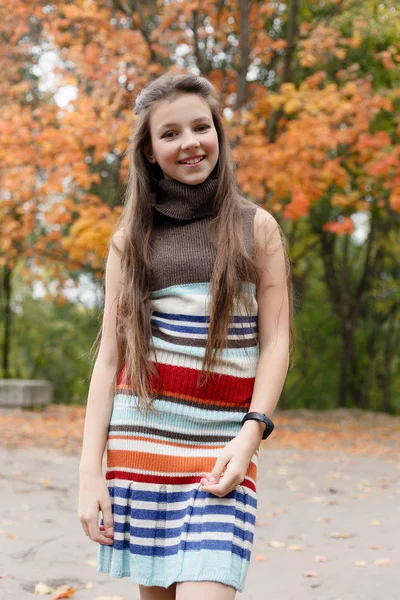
[166, 529]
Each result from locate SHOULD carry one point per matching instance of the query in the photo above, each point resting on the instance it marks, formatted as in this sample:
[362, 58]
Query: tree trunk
[346, 360]
[291, 42]
[388, 359]
[7, 320]
[244, 45]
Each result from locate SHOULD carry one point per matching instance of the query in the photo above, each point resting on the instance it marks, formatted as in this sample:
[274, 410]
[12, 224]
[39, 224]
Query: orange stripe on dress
[165, 464]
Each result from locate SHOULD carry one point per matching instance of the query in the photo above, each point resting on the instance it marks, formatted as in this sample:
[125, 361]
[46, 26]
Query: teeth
[192, 162]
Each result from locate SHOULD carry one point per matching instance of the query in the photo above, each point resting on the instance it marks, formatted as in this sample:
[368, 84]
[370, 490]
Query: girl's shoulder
[268, 234]
[118, 240]
[265, 225]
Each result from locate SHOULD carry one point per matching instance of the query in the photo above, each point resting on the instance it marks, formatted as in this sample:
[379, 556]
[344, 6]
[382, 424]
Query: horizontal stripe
[177, 437]
[231, 352]
[184, 546]
[173, 444]
[177, 380]
[180, 522]
[186, 329]
[165, 478]
[163, 464]
[183, 340]
[201, 319]
[183, 400]
[200, 289]
[154, 447]
[164, 515]
[134, 471]
[154, 497]
[244, 366]
[207, 530]
[184, 416]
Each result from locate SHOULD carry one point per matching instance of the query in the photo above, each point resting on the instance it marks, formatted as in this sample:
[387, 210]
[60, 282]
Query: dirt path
[333, 516]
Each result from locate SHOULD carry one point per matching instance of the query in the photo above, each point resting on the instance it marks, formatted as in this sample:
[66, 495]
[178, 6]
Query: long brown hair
[233, 264]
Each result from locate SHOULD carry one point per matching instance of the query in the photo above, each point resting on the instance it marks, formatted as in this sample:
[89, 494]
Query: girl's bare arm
[273, 327]
[93, 492]
[99, 403]
[273, 320]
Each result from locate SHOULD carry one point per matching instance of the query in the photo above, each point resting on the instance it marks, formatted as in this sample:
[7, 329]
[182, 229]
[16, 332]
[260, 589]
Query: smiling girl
[193, 357]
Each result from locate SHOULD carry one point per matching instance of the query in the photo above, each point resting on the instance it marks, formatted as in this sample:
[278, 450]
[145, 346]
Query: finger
[223, 487]
[219, 466]
[105, 507]
[95, 534]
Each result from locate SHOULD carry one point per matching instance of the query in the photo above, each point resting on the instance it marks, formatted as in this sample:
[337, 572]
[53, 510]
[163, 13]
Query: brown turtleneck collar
[182, 201]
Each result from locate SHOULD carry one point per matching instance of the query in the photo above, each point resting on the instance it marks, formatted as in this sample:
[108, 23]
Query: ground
[328, 515]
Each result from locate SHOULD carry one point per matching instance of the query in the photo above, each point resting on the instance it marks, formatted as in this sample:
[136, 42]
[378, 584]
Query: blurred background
[311, 100]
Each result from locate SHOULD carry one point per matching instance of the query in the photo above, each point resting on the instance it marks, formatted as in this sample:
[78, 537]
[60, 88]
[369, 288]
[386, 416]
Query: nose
[189, 140]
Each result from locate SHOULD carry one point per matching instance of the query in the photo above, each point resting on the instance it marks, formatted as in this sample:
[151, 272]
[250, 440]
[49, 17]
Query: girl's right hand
[93, 497]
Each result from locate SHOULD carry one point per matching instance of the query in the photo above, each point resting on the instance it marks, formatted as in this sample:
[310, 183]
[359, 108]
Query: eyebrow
[166, 125]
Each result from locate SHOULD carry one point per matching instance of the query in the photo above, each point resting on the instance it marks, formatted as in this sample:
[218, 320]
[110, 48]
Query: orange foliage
[52, 206]
[343, 227]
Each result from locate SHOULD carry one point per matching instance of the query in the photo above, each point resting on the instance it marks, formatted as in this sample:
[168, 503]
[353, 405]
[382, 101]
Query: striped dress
[166, 529]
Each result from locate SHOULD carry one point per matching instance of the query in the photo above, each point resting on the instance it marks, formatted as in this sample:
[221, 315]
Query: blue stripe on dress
[172, 515]
[163, 533]
[200, 330]
[171, 497]
[199, 319]
[183, 545]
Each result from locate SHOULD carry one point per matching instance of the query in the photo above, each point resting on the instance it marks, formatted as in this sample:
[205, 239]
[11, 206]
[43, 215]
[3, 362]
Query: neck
[185, 202]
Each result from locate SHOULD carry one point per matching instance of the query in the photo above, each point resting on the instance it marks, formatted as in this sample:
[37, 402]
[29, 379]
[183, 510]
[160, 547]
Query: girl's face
[184, 141]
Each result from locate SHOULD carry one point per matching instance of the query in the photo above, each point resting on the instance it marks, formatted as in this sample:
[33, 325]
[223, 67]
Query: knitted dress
[165, 528]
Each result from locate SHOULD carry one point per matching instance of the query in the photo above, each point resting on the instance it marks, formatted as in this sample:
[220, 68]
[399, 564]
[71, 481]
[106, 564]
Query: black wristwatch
[256, 416]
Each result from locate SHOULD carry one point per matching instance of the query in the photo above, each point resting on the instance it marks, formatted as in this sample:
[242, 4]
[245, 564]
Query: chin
[192, 179]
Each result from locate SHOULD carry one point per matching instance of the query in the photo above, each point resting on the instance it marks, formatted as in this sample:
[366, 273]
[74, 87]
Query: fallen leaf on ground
[319, 558]
[341, 430]
[63, 592]
[311, 574]
[277, 544]
[41, 589]
[360, 563]
[295, 548]
[340, 534]
[384, 562]
[260, 558]
[92, 562]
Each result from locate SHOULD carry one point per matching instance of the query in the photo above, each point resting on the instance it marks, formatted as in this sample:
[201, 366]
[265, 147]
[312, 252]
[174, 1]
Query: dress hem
[207, 576]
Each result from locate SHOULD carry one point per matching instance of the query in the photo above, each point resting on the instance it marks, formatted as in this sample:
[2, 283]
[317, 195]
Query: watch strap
[256, 416]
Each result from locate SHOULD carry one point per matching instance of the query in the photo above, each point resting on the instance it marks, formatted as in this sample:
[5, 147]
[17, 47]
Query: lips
[192, 158]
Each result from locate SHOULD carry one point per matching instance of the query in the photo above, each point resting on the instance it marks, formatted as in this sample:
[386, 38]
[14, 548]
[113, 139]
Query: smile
[192, 161]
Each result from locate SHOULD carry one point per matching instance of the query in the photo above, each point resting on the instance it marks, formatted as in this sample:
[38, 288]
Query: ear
[149, 155]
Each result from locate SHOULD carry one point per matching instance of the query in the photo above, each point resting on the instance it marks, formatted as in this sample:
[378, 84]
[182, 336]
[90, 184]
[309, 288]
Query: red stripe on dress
[181, 381]
[143, 478]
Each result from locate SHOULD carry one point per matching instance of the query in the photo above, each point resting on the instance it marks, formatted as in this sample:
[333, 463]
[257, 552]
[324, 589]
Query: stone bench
[25, 393]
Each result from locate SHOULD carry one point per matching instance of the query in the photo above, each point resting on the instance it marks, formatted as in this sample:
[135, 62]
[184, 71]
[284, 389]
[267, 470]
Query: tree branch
[244, 45]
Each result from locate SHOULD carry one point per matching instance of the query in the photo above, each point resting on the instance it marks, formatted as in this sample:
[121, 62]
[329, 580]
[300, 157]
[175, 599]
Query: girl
[192, 361]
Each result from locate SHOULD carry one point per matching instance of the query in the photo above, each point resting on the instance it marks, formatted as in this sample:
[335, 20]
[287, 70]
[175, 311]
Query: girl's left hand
[235, 459]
